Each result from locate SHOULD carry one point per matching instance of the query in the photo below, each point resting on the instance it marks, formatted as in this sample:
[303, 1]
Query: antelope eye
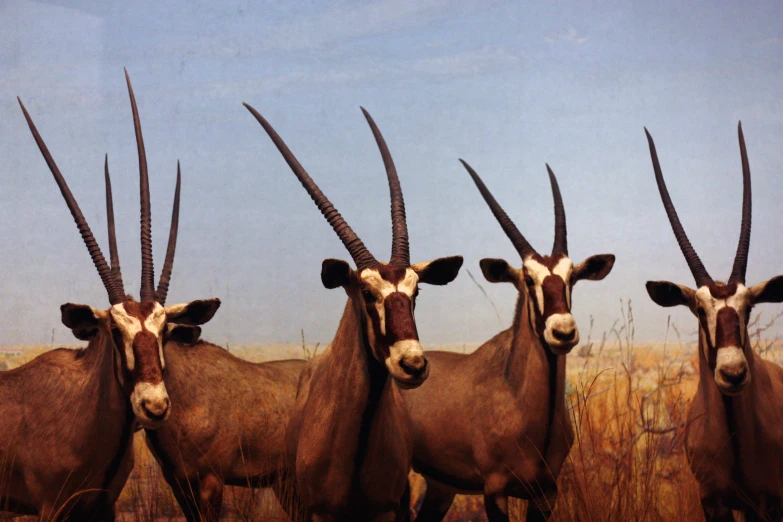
[416, 293]
[701, 312]
[529, 281]
[368, 296]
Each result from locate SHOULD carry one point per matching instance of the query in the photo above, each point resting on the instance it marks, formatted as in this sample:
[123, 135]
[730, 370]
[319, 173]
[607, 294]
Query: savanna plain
[628, 402]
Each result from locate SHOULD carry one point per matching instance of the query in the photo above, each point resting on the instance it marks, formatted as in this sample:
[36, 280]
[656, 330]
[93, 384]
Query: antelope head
[723, 309]
[547, 281]
[136, 330]
[385, 292]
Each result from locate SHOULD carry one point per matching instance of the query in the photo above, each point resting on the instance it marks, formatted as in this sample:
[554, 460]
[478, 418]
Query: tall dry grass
[627, 402]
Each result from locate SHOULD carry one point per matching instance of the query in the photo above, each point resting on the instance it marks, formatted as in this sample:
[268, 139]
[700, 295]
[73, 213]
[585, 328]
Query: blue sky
[505, 85]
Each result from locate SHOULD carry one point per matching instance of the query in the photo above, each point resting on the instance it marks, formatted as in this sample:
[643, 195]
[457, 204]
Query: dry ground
[628, 403]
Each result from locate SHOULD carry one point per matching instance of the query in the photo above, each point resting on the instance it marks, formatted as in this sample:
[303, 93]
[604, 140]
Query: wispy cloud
[571, 35]
[467, 63]
[336, 26]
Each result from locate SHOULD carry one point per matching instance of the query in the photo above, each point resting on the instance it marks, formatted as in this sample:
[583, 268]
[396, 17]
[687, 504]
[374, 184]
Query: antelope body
[734, 433]
[68, 415]
[349, 438]
[495, 421]
[228, 427]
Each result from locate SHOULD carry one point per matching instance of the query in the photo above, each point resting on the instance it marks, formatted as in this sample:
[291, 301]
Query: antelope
[66, 440]
[349, 437]
[228, 427]
[733, 437]
[495, 421]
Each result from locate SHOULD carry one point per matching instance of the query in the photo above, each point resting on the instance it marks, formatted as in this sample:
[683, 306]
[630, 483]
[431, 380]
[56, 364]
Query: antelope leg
[436, 504]
[496, 507]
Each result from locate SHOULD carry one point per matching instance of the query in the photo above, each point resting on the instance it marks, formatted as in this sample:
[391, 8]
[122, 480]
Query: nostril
[734, 377]
[156, 415]
[414, 366]
[564, 336]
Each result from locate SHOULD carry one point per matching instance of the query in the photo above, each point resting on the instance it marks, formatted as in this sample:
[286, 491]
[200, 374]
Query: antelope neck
[528, 351]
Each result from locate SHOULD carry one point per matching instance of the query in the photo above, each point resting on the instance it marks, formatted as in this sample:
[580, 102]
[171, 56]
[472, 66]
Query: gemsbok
[66, 440]
[228, 427]
[350, 437]
[495, 421]
[734, 432]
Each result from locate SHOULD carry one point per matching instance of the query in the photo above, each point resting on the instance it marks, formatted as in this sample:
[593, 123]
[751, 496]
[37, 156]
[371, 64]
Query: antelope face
[547, 282]
[723, 311]
[138, 332]
[388, 297]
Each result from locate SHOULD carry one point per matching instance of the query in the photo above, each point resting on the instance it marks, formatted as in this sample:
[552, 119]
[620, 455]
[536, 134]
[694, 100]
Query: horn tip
[368, 117]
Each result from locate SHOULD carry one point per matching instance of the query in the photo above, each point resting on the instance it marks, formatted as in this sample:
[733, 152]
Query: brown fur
[400, 324]
[493, 422]
[227, 425]
[735, 444]
[66, 438]
[350, 434]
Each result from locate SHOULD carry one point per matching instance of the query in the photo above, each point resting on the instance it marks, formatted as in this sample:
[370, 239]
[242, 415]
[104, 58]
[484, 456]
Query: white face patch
[150, 403]
[730, 361]
[155, 323]
[130, 326]
[381, 288]
[564, 268]
[560, 330]
[711, 306]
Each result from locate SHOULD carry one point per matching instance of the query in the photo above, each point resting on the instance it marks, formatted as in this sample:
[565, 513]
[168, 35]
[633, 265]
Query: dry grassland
[628, 403]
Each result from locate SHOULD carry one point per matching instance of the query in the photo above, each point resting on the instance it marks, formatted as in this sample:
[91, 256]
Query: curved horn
[147, 292]
[400, 254]
[694, 263]
[115, 295]
[361, 256]
[561, 237]
[741, 259]
[513, 233]
[113, 254]
[168, 264]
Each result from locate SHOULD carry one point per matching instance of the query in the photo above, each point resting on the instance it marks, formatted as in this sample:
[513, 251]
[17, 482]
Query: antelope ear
[668, 294]
[594, 268]
[440, 271]
[80, 317]
[183, 334]
[769, 291]
[193, 313]
[335, 273]
[498, 270]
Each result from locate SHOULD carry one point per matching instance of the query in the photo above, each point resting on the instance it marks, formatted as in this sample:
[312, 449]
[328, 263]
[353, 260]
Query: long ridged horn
[168, 264]
[360, 254]
[694, 263]
[741, 259]
[400, 253]
[147, 292]
[517, 239]
[560, 245]
[115, 295]
[113, 254]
